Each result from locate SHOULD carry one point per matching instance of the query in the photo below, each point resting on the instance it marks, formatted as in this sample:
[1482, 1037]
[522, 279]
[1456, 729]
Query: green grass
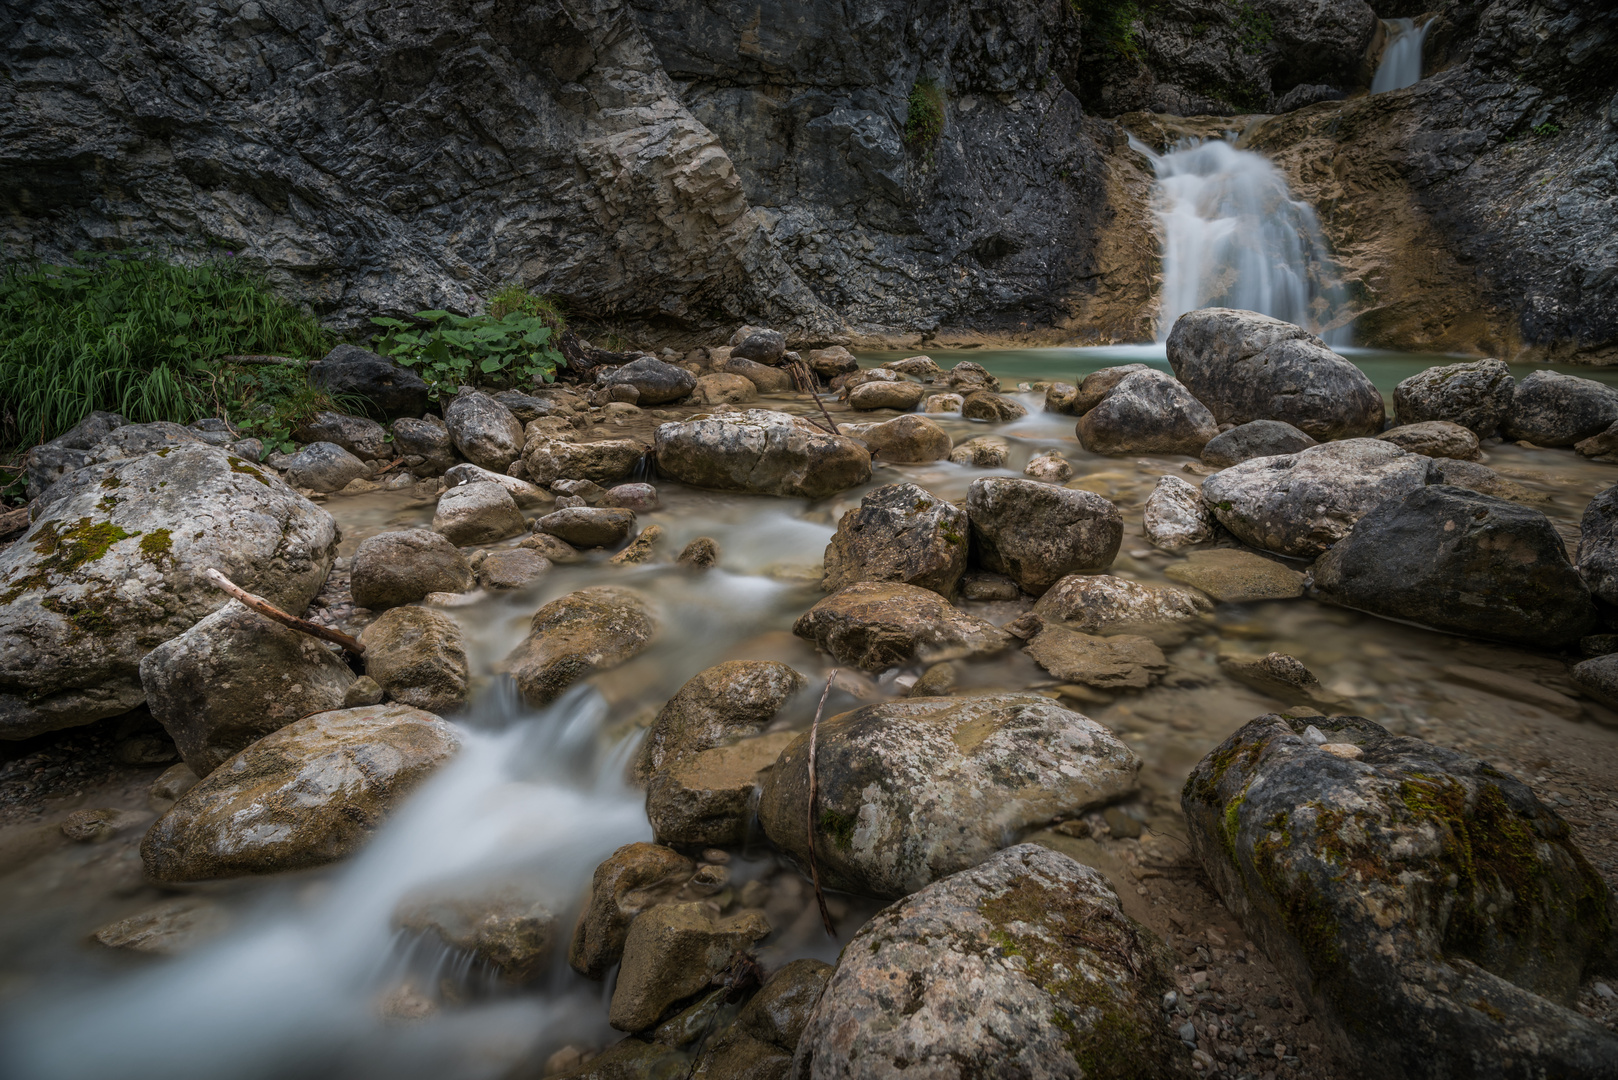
[924, 118]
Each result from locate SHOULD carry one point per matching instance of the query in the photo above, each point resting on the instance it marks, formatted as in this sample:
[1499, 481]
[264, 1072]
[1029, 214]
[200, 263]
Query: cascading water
[1401, 59]
[1234, 236]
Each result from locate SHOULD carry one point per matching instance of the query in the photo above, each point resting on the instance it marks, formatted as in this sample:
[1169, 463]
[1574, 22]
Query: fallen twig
[807, 381]
[814, 794]
[257, 358]
[270, 611]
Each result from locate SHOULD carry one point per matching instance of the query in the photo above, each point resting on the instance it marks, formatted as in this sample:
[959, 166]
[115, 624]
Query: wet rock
[702, 553]
[981, 585]
[671, 952]
[507, 927]
[587, 490]
[100, 825]
[763, 452]
[1402, 892]
[481, 512]
[902, 533]
[899, 394]
[1552, 409]
[516, 569]
[943, 403]
[166, 929]
[1026, 958]
[1276, 674]
[1233, 576]
[656, 382]
[967, 377]
[1301, 504]
[983, 452]
[1598, 545]
[1459, 561]
[875, 625]
[365, 439]
[761, 346]
[723, 703]
[1037, 534]
[235, 677]
[1603, 445]
[1256, 438]
[908, 439]
[418, 656]
[1246, 366]
[524, 494]
[363, 691]
[324, 467]
[525, 407]
[484, 431]
[1062, 398]
[311, 793]
[632, 879]
[426, 440]
[588, 526]
[640, 498]
[761, 1042]
[914, 790]
[401, 567]
[766, 379]
[987, 405]
[1175, 516]
[1098, 384]
[583, 632]
[832, 362]
[606, 462]
[1147, 412]
[113, 565]
[175, 781]
[551, 548]
[1598, 677]
[348, 369]
[707, 800]
[724, 389]
[1103, 604]
[1050, 467]
[1434, 438]
[1119, 662]
[1476, 395]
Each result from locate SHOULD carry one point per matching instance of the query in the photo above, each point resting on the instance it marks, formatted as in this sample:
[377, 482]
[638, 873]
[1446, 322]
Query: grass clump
[924, 116]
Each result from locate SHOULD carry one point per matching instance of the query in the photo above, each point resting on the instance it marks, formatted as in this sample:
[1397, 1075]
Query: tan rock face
[901, 394]
[723, 388]
[549, 459]
[1119, 662]
[764, 452]
[311, 793]
[419, 657]
[673, 951]
[875, 625]
[725, 702]
[584, 632]
[909, 439]
[899, 533]
[632, 879]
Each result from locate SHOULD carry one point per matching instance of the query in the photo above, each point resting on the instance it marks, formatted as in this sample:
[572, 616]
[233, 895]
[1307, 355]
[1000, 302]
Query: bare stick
[258, 358]
[814, 794]
[270, 611]
[809, 384]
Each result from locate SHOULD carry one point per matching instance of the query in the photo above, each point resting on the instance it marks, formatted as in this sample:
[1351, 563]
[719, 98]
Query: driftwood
[270, 611]
[806, 381]
[250, 359]
[814, 793]
[13, 523]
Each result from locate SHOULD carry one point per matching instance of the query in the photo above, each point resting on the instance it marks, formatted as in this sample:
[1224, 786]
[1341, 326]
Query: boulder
[832, 362]
[1459, 561]
[401, 567]
[394, 391]
[217, 431]
[640, 550]
[324, 467]
[510, 927]
[673, 951]
[511, 569]
[1119, 662]
[607, 461]
[1276, 674]
[987, 405]
[1246, 366]
[1103, 604]
[418, 656]
[1098, 384]
[588, 526]
[1024, 965]
[719, 705]
[1598, 546]
[913, 790]
[967, 376]
[427, 440]
[1301, 504]
[943, 403]
[481, 512]
[1062, 398]
[766, 1032]
[908, 439]
[1050, 467]
[982, 585]
[1476, 395]
[1175, 516]
[1552, 409]
[761, 346]
[656, 382]
[725, 389]
[1233, 576]
[310, 793]
[112, 568]
[1037, 534]
[583, 632]
[1256, 438]
[1147, 412]
[1602, 445]
[632, 879]
[917, 367]
[900, 394]
[551, 548]
[983, 452]
[365, 439]
[47, 463]
[707, 800]
[899, 533]
[524, 494]
[235, 677]
[876, 625]
[1437, 917]
[1434, 438]
[525, 407]
[767, 379]
[762, 452]
[484, 431]
[1598, 677]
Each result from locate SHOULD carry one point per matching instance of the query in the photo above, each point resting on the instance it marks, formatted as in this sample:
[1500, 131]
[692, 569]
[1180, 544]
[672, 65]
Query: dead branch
[806, 380]
[270, 611]
[250, 359]
[814, 795]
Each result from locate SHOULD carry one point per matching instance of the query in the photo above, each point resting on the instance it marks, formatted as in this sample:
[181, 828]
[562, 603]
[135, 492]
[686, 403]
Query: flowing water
[1401, 59]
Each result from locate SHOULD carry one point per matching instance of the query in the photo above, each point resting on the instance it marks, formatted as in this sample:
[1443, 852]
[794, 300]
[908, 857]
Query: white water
[1233, 236]
[1401, 59]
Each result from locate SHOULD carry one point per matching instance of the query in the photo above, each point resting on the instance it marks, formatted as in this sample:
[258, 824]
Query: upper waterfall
[1401, 59]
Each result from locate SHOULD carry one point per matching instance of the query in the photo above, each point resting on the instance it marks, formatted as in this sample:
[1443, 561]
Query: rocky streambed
[1230, 714]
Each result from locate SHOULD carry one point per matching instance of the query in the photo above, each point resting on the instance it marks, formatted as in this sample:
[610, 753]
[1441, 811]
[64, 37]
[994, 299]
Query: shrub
[515, 298]
[924, 120]
[450, 350]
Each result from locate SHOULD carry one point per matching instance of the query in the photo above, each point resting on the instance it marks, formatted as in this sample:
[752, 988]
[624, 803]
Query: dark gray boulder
[1598, 545]
[1552, 409]
[1477, 395]
[1147, 412]
[49, 462]
[1037, 534]
[325, 467]
[1256, 438]
[761, 346]
[403, 566]
[483, 430]
[427, 440]
[1459, 561]
[393, 390]
[1438, 916]
[902, 533]
[657, 382]
[365, 439]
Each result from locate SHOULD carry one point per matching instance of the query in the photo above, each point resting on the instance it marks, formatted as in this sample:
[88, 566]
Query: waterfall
[1234, 236]
[1401, 59]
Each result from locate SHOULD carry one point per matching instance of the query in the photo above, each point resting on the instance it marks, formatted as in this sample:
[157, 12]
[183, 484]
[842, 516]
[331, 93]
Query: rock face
[1552, 409]
[656, 382]
[1598, 546]
[912, 791]
[394, 391]
[1246, 366]
[767, 453]
[1476, 395]
[1027, 958]
[419, 657]
[394, 568]
[586, 631]
[308, 794]
[1301, 504]
[113, 568]
[899, 533]
[234, 677]
[324, 467]
[484, 431]
[1038, 534]
[909, 439]
[1147, 412]
[1374, 882]
[875, 625]
[1460, 561]
[1175, 517]
[1256, 438]
[477, 513]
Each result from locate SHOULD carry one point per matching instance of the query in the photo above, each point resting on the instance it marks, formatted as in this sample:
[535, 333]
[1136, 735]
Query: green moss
[237, 465]
[108, 504]
[66, 549]
[111, 483]
[1111, 25]
[839, 827]
[1305, 913]
[158, 545]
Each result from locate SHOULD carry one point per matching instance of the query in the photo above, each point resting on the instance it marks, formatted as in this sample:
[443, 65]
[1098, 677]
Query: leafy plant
[516, 298]
[1111, 25]
[1546, 130]
[924, 118]
[450, 350]
[1255, 28]
[270, 402]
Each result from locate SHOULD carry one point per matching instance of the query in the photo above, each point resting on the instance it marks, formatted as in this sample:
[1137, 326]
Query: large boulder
[113, 568]
[235, 677]
[1438, 916]
[1037, 534]
[1301, 504]
[364, 438]
[767, 379]
[1246, 366]
[1452, 559]
[583, 632]
[1552, 409]
[767, 453]
[311, 793]
[606, 461]
[914, 790]
[481, 512]
[630, 880]
[1598, 546]
[1435, 439]
[722, 388]
[1256, 438]
[1104, 604]
[419, 657]
[707, 800]
[1022, 966]
[832, 362]
[484, 431]
[762, 346]
[1476, 395]
[899, 533]
[324, 467]
[1147, 412]
[876, 624]
[588, 526]
[900, 394]
[716, 706]
[657, 382]
[1175, 516]
[426, 439]
[1098, 384]
[968, 377]
[908, 439]
[401, 567]
[392, 390]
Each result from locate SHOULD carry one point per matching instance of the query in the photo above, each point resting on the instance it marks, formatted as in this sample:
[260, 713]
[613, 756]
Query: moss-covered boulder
[1438, 915]
[1023, 966]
